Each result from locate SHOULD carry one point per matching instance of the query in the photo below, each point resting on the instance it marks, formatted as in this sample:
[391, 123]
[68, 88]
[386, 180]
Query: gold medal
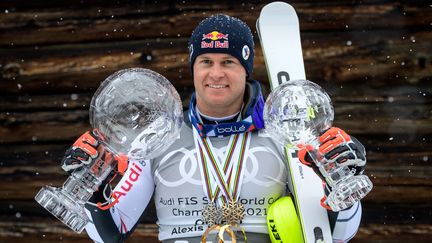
[208, 230]
[222, 177]
[237, 230]
[211, 214]
[233, 212]
[226, 228]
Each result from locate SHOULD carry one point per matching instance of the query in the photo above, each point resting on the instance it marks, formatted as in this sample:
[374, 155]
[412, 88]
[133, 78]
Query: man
[223, 168]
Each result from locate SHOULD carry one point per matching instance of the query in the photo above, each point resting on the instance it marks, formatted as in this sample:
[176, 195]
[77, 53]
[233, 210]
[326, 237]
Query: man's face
[220, 82]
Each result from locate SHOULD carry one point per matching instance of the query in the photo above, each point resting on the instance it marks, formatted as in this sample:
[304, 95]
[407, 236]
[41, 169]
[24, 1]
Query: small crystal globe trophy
[295, 114]
[139, 114]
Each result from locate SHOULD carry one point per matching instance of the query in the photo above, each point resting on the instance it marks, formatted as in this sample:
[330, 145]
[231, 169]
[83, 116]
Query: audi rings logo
[189, 172]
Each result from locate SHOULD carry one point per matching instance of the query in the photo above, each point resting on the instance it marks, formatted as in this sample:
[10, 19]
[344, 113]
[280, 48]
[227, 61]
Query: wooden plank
[48, 230]
[84, 73]
[387, 233]
[380, 152]
[390, 185]
[59, 102]
[43, 132]
[33, 153]
[49, 131]
[387, 211]
[30, 208]
[67, 107]
[55, 102]
[387, 119]
[373, 213]
[18, 157]
[378, 99]
[72, 4]
[375, 61]
[395, 213]
[361, 16]
[96, 23]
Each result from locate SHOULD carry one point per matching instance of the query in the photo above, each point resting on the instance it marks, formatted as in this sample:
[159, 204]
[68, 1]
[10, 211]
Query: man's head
[223, 34]
[221, 59]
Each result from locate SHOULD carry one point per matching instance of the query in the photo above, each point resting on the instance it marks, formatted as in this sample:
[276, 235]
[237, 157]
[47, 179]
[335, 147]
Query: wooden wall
[372, 56]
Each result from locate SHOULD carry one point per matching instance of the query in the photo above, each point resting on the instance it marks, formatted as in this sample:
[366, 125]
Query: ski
[279, 33]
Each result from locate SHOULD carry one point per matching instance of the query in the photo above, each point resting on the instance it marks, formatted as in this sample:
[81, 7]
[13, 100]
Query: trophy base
[346, 193]
[63, 208]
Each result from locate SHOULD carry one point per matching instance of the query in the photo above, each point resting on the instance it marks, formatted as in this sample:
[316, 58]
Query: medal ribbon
[214, 172]
[225, 169]
[207, 177]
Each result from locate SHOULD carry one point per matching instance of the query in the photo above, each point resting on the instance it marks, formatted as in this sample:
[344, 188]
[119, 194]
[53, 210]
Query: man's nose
[216, 72]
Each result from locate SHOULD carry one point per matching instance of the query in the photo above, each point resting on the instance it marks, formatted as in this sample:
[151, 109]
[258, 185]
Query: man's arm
[134, 192]
[337, 146]
[345, 224]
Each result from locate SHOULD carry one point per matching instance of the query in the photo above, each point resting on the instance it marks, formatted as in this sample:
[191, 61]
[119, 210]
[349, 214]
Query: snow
[74, 97]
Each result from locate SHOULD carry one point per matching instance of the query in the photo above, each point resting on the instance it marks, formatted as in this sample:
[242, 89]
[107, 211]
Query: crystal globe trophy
[295, 114]
[139, 114]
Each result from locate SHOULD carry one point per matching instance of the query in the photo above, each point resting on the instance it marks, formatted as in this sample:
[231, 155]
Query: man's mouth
[216, 86]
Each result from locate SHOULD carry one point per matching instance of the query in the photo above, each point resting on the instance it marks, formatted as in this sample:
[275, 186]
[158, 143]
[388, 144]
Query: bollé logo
[231, 129]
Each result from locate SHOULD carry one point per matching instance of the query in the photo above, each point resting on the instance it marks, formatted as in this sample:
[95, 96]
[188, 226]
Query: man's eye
[228, 61]
[205, 61]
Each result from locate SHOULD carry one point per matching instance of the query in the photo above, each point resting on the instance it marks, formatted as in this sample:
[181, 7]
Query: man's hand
[84, 151]
[339, 148]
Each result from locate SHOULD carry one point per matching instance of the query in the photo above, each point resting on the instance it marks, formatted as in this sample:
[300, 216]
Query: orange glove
[337, 147]
[84, 151]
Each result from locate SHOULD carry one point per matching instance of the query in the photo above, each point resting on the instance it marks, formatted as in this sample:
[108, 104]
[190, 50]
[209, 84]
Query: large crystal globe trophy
[295, 114]
[139, 114]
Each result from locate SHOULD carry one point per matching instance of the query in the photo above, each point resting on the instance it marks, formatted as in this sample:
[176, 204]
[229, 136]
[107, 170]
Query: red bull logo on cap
[215, 35]
[215, 38]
